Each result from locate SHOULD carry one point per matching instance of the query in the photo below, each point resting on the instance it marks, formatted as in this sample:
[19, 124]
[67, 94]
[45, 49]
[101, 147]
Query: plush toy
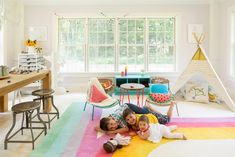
[116, 143]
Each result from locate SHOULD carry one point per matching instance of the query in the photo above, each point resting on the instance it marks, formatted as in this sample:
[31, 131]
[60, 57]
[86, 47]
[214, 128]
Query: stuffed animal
[116, 143]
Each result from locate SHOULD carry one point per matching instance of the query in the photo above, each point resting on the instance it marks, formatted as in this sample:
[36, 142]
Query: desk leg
[4, 103]
[47, 85]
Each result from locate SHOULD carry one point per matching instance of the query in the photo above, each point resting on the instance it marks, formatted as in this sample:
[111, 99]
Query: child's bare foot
[184, 137]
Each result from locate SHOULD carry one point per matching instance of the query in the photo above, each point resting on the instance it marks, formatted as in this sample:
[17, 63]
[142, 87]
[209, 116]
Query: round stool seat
[25, 106]
[43, 92]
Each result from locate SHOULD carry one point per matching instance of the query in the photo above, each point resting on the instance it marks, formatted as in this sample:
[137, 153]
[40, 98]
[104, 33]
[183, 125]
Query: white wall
[186, 14]
[224, 39]
[13, 31]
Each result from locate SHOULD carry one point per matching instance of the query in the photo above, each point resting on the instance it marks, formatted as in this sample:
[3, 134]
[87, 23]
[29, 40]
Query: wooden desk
[19, 81]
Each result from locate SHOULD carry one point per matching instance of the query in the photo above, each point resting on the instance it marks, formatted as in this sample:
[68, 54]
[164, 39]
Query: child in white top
[155, 132]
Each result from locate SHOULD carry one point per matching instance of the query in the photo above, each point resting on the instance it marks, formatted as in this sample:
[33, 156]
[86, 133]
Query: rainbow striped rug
[65, 138]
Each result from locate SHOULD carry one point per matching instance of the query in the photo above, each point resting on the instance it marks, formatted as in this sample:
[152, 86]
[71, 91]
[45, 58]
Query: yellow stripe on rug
[141, 148]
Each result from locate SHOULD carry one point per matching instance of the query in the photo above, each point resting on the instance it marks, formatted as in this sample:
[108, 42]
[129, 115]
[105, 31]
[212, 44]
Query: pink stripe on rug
[202, 120]
[90, 146]
[182, 124]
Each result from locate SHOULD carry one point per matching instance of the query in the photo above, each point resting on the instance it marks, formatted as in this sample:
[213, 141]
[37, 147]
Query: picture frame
[194, 28]
[38, 33]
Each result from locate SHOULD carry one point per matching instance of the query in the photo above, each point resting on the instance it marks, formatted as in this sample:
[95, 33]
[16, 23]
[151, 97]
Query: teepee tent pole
[196, 38]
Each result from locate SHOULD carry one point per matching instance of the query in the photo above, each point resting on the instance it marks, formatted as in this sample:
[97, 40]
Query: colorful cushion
[197, 93]
[159, 88]
[161, 98]
[97, 95]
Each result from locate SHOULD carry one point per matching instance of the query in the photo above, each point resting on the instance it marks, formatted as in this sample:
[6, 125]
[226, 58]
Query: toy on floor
[116, 143]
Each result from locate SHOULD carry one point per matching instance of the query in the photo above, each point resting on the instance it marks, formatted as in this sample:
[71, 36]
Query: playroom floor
[186, 109]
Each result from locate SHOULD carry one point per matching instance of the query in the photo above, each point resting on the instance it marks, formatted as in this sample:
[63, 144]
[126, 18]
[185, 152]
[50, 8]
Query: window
[101, 46]
[161, 45]
[131, 44]
[72, 45]
[110, 44]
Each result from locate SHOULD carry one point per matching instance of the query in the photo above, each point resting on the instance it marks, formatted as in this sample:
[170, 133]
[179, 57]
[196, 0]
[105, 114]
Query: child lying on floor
[155, 132]
[115, 123]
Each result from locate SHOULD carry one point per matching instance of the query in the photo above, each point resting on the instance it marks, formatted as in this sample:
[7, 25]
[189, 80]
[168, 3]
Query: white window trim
[116, 16]
[134, 45]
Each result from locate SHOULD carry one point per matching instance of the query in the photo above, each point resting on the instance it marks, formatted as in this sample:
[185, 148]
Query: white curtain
[13, 11]
[1, 14]
[233, 42]
[1, 33]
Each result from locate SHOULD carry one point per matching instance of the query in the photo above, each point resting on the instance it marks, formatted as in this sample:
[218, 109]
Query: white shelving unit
[31, 62]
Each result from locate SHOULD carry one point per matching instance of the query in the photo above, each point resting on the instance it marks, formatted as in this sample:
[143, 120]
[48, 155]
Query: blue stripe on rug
[58, 136]
[78, 133]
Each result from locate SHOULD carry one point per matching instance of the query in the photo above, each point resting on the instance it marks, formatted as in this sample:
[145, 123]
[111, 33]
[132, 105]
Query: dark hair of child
[104, 123]
[144, 118]
[126, 112]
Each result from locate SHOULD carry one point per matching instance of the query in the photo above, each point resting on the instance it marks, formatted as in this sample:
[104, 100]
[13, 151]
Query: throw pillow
[183, 89]
[159, 88]
[97, 95]
[196, 93]
[161, 98]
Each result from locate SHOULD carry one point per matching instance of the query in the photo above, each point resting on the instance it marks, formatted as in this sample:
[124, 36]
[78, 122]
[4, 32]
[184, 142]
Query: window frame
[82, 45]
[116, 41]
[98, 44]
[173, 44]
[128, 45]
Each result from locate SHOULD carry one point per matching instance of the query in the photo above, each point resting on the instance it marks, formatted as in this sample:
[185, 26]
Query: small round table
[132, 86]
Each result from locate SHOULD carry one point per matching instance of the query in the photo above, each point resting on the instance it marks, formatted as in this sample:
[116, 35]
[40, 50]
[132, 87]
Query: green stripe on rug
[57, 138]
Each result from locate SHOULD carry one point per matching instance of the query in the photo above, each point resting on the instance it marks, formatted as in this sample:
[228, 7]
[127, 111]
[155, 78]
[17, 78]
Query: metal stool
[27, 108]
[43, 95]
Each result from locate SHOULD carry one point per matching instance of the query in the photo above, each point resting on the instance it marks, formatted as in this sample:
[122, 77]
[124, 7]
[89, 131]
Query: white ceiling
[115, 2]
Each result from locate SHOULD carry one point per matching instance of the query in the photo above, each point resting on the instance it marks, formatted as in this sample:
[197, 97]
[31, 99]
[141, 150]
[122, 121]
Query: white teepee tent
[201, 65]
